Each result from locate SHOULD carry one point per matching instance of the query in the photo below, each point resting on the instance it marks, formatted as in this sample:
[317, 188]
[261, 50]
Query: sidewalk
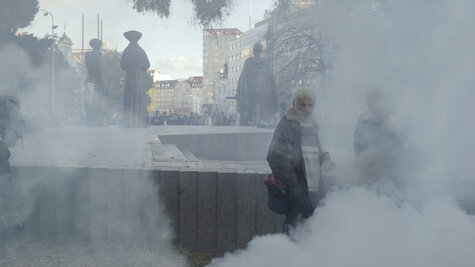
[74, 146]
[113, 147]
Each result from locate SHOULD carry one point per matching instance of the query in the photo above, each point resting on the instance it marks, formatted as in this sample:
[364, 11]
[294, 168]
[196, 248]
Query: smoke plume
[420, 53]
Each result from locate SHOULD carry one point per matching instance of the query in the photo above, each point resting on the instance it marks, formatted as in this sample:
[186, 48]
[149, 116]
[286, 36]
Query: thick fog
[420, 54]
[75, 242]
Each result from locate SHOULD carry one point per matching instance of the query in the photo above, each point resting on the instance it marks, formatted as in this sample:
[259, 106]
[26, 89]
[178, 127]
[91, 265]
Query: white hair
[304, 93]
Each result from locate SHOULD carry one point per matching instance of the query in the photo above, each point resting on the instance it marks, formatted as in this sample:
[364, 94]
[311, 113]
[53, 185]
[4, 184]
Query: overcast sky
[173, 45]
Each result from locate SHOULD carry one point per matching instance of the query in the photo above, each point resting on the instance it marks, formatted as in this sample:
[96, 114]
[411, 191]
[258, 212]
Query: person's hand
[325, 162]
[328, 166]
[325, 156]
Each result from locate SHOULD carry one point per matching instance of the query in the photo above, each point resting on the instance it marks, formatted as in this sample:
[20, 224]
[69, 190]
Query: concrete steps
[190, 156]
[167, 152]
[209, 211]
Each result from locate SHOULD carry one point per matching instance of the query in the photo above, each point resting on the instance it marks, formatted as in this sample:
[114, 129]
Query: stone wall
[209, 211]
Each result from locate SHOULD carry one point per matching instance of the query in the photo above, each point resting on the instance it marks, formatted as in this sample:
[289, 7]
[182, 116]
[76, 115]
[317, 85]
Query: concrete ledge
[246, 207]
[207, 215]
[169, 195]
[209, 211]
[188, 225]
[227, 212]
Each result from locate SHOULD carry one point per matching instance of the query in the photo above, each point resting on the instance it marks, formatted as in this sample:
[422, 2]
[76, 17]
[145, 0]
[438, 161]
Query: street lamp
[46, 13]
[196, 99]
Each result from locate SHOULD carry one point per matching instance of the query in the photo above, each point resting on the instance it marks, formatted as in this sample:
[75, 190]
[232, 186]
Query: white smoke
[142, 244]
[358, 227]
[421, 53]
[15, 75]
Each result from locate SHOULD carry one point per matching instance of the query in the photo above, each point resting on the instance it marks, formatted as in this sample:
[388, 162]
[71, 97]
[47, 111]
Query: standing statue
[135, 63]
[256, 96]
[95, 85]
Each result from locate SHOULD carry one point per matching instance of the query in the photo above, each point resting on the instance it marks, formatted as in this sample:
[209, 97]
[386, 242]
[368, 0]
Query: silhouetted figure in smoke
[297, 159]
[135, 62]
[256, 96]
[377, 145]
[12, 127]
[95, 84]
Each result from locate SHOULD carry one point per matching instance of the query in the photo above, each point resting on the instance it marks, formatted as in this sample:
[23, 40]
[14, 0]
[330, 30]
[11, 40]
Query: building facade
[215, 57]
[165, 95]
[196, 84]
[180, 96]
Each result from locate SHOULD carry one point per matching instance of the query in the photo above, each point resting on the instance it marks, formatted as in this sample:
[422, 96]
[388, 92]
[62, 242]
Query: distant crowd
[44, 119]
[164, 118]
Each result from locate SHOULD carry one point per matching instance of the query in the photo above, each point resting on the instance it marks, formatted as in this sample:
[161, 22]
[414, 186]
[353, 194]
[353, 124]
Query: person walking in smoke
[255, 95]
[296, 158]
[377, 145]
[12, 127]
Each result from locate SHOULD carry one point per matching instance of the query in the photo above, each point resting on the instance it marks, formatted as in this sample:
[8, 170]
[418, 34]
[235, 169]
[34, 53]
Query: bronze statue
[256, 91]
[135, 63]
[94, 92]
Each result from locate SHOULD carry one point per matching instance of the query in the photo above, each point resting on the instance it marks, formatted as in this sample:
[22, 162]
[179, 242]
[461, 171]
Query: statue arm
[144, 60]
[147, 63]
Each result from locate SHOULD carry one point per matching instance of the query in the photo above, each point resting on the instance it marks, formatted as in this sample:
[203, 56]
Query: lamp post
[46, 13]
[196, 99]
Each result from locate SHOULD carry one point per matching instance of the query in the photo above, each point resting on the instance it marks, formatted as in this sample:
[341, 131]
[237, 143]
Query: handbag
[277, 197]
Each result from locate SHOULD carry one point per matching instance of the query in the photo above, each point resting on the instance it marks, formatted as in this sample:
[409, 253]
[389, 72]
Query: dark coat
[285, 156]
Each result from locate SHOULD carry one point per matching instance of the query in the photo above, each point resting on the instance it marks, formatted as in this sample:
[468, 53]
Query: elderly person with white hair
[295, 157]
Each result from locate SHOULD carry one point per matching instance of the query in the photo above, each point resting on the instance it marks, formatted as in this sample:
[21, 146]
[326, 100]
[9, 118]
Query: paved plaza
[118, 147]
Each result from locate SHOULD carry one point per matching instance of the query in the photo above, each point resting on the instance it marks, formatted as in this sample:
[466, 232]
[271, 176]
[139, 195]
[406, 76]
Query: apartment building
[215, 57]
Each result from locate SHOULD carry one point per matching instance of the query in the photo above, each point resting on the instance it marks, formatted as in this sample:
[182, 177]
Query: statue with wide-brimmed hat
[135, 63]
[94, 91]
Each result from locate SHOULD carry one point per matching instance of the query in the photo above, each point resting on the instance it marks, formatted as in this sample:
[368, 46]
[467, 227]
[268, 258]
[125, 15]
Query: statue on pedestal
[256, 91]
[94, 92]
[135, 63]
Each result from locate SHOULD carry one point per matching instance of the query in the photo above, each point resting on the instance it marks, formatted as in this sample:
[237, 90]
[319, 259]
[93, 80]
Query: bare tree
[299, 48]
